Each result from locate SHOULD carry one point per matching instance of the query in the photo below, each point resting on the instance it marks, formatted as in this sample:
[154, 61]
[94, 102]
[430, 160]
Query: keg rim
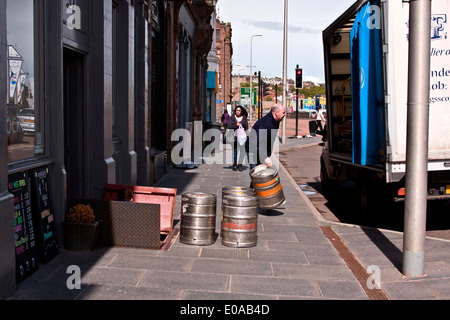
[263, 171]
[198, 195]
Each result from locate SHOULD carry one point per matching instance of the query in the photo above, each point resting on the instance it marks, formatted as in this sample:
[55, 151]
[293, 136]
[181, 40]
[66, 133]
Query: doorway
[74, 125]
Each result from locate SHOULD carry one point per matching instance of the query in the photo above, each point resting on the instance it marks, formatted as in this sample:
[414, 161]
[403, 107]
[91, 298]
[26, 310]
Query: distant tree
[247, 85]
[310, 93]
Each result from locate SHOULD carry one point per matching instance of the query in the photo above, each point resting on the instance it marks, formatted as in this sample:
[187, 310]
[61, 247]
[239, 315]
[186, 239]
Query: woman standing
[319, 118]
[225, 119]
[238, 120]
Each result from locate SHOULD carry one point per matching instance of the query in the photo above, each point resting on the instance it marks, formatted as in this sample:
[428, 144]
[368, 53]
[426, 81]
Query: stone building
[108, 82]
[224, 45]
[213, 75]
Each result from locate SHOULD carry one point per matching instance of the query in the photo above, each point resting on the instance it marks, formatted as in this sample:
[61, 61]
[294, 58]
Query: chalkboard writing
[25, 241]
[43, 216]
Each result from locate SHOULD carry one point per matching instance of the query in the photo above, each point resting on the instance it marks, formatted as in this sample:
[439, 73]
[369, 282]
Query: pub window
[25, 113]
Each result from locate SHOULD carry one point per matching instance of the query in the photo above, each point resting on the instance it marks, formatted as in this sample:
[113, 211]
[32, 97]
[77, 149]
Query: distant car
[26, 119]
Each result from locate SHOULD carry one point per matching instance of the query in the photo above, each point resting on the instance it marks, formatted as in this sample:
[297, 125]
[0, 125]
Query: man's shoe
[240, 167]
[235, 167]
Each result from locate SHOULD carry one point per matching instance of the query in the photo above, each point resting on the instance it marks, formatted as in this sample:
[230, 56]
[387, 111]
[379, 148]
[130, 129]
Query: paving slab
[293, 258]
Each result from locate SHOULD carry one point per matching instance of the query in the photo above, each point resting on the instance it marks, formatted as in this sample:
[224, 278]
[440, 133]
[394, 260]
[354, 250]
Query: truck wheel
[328, 185]
[366, 192]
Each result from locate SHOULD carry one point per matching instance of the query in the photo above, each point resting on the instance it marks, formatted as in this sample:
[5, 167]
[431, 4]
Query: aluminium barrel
[237, 191]
[198, 219]
[239, 220]
[268, 188]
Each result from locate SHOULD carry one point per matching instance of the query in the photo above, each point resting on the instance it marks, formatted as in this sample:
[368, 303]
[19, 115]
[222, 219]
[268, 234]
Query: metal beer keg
[266, 182]
[198, 219]
[239, 220]
[237, 191]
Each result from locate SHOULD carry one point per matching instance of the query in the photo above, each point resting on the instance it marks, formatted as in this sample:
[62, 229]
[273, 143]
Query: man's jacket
[262, 137]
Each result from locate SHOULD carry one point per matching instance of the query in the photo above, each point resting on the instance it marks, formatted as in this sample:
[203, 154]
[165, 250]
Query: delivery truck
[366, 71]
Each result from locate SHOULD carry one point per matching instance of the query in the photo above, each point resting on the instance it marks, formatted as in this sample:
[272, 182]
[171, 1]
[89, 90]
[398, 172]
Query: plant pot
[81, 236]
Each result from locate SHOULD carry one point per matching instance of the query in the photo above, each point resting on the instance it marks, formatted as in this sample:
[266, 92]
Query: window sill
[27, 165]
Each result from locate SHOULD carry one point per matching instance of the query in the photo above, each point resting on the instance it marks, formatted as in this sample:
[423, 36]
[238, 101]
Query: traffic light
[265, 89]
[299, 78]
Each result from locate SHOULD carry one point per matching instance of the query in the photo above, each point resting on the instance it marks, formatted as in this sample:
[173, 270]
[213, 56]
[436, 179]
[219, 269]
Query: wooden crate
[164, 197]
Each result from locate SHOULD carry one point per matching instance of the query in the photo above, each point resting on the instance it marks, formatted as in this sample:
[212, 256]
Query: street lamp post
[251, 73]
[417, 139]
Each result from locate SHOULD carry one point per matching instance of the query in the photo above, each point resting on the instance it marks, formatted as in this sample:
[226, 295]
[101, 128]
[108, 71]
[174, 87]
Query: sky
[306, 22]
[20, 31]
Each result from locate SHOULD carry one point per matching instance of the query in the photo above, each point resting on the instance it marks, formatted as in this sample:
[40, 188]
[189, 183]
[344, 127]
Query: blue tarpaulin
[367, 86]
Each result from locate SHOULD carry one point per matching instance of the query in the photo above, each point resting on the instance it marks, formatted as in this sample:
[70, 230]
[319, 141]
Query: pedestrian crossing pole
[417, 138]
[283, 140]
[296, 109]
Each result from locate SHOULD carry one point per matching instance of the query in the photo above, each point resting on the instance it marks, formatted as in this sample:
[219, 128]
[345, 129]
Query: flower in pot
[80, 229]
[81, 213]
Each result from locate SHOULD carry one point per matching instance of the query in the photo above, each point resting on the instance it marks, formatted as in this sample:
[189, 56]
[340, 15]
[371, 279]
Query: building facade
[213, 75]
[224, 45]
[107, 83]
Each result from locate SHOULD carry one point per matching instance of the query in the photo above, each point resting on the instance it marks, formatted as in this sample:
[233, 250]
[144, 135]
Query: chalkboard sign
[25, 242]
[44, 218]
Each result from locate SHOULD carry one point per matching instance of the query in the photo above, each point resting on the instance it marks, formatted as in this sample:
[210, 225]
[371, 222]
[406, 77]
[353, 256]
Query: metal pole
[296, 112]
[276, 93]
[251, 80]
[261, 97]
[296, 115]
[251, 74]
[261, 100]
[417, 138]
[260, 94]
[283, 141]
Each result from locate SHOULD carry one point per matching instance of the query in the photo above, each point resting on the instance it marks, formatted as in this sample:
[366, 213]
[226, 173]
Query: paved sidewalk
[298, 256]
